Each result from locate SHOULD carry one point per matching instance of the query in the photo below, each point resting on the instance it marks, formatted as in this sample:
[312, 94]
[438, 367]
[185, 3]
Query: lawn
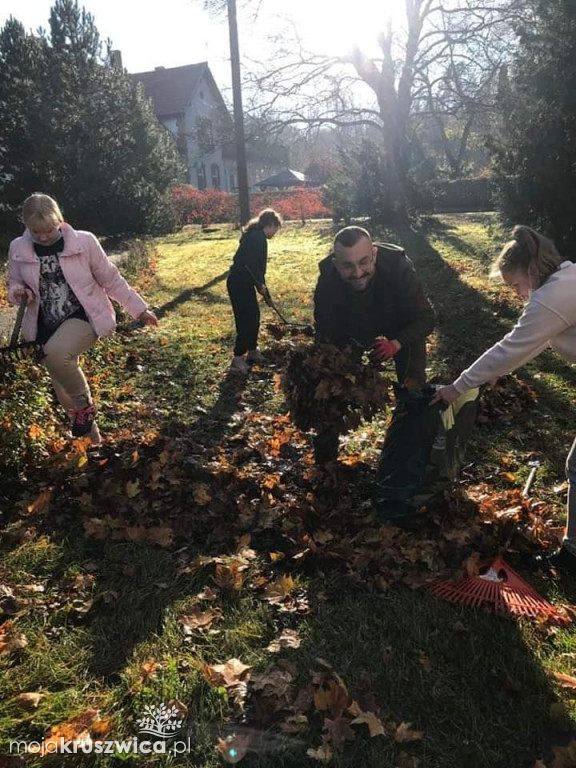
[200, 560]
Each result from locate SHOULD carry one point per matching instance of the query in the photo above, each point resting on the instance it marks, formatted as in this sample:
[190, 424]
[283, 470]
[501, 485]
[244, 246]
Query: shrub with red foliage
[300, 203]
[209, 206]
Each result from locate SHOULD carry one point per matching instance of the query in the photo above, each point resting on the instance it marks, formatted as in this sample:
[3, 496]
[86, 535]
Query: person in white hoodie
[531, 265]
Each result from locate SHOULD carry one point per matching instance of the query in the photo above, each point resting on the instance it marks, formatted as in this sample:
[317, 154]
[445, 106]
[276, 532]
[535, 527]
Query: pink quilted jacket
[88, 271]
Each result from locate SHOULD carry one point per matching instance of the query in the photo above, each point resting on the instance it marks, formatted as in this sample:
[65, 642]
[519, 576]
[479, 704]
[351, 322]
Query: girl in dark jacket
[248, 275]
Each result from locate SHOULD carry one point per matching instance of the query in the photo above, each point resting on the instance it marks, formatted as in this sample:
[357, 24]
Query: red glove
[383, 349]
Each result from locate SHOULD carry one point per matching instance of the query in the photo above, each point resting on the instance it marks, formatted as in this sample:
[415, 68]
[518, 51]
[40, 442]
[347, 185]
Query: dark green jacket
[394, 304]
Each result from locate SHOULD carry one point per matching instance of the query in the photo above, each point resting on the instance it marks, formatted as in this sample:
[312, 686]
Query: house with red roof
[189, 104]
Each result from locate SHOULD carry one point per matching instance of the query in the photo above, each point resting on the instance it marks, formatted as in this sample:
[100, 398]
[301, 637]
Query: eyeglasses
[350, 268]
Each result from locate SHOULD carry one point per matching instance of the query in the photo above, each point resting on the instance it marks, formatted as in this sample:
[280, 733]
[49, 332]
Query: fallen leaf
[101, 728]
[277, 590]
[375, 726]
[201, 494]
[338, 731]
[323, 754]
[472, 565]
[132, 488]
[197, 619]
[148, 670]
[404, 733]
[28, 700]
[42, 503]
[331, 696]
[10, 639]
[288, 639]
[566, 681]
[234, 747]
[76, 730]
[229, 577]
[226, 674]
[294, 724]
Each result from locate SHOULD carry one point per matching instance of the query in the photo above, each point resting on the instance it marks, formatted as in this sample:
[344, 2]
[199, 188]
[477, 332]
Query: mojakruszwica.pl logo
[158, 728]
[163, 722]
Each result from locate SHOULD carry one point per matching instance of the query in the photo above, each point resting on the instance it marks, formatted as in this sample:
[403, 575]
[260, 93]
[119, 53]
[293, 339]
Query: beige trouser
[62, 351]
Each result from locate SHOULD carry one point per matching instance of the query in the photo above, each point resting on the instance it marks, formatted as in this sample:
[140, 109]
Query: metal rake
[24, 350]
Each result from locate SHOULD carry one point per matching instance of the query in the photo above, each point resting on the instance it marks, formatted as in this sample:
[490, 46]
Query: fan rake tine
[508, 596]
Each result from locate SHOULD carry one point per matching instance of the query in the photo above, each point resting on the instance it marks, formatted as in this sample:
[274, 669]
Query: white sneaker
[255, 356]
[95, 436]
[239, 365]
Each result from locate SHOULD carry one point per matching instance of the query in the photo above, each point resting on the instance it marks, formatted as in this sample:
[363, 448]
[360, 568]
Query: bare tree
[441, 63]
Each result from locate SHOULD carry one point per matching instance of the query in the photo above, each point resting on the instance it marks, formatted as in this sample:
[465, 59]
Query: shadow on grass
[190, 293]
[464, 678]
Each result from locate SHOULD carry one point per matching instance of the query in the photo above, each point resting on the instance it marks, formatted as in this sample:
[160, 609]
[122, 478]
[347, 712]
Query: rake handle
[18, 321]
[269, 302]
[529, 481]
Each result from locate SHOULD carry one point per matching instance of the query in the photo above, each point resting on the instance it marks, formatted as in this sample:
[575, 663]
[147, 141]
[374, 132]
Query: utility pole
[241, 168]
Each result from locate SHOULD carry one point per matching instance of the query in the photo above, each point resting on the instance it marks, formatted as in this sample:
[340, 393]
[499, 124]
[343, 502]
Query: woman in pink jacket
[67, 279]
[531, 266]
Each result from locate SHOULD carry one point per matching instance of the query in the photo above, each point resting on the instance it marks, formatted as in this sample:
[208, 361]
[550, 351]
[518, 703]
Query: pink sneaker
[83, 420]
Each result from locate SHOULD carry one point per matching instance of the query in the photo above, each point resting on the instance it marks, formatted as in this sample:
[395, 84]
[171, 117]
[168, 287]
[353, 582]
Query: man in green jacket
[369, 296]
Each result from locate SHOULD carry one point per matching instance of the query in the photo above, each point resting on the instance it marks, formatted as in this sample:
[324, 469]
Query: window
[205, 133]
[215, 169]
[201, 176]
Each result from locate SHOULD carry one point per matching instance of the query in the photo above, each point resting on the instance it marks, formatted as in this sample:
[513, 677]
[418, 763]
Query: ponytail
[528, 252]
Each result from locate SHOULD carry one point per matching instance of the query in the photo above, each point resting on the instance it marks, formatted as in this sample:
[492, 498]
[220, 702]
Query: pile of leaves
[280, 331]
[324, 385]
[506, 399]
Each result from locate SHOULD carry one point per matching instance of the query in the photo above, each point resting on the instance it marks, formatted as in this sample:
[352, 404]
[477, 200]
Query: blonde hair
[265, 218]
[528, 252]
[40, 209]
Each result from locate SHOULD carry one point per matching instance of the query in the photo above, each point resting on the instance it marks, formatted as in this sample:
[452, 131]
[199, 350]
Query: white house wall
[205, 105]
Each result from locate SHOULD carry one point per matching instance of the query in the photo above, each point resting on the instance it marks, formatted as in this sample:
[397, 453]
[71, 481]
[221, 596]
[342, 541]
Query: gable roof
[286, 178]
[171, 88]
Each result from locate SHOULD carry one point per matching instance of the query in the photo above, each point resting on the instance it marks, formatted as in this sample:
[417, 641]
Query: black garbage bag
[423, 451]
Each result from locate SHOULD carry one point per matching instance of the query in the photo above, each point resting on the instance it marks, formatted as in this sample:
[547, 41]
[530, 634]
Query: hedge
[210, 206]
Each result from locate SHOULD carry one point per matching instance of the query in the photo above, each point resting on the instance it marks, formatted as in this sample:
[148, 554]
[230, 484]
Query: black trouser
[246, 314]
[410, 363]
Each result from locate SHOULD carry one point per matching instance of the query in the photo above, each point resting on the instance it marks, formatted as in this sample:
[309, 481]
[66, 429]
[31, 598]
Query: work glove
[382, 349]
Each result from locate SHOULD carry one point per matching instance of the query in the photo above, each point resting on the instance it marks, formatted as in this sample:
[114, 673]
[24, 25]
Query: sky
[171, 33]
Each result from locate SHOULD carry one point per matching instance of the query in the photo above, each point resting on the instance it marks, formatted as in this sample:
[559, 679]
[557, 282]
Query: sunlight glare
[343, 26]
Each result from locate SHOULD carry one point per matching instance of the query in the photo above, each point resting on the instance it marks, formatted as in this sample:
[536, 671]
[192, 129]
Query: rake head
[499, 589]
[28, 350]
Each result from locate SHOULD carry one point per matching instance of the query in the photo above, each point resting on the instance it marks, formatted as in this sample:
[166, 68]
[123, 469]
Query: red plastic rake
[500, 589]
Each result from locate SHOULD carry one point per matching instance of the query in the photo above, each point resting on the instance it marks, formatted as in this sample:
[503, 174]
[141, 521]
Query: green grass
[99, 601]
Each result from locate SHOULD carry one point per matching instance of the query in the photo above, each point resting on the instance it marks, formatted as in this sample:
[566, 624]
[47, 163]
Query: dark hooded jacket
[393, 305]
[251, 258]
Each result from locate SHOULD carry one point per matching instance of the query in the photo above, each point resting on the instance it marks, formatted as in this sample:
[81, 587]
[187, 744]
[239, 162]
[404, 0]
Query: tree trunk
[241, 168]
